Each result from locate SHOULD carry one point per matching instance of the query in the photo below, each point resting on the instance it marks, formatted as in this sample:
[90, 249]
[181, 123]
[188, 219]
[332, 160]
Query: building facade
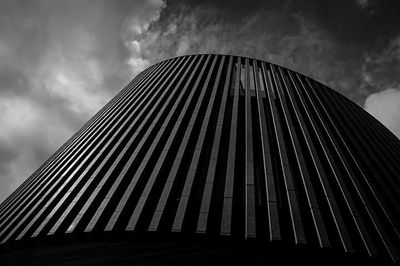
[215, 151]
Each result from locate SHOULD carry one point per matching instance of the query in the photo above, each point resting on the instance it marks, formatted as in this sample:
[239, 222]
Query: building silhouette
[214, 159]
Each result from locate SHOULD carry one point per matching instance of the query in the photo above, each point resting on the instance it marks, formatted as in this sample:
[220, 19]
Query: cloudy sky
[60, 61]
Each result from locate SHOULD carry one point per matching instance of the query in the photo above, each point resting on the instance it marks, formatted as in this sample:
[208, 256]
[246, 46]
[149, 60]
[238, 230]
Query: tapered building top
[212, 148]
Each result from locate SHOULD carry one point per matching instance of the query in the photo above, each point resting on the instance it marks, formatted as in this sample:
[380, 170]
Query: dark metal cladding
[221, 146]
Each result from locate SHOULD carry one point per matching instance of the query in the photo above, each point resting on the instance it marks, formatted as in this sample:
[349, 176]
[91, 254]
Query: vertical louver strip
[134, 149]
[249, 184]
[215, 156]
[184, 198]
[162, 202]
[226, 226]
[289, 188]
[306, 150]
[273, 218]
[375, 222]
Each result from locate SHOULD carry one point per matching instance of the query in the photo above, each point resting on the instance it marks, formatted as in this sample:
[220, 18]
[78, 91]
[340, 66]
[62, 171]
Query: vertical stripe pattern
[224, 146]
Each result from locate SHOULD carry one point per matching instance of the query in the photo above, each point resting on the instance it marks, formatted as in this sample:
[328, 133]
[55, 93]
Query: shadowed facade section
[218, 148]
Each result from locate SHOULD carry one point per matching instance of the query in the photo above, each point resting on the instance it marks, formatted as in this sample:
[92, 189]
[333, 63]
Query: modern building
[214, 159]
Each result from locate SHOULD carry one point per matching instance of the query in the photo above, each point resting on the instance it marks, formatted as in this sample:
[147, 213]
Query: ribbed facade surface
[221, 146]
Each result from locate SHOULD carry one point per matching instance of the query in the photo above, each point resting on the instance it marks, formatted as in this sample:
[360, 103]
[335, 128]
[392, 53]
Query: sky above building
[61, 61]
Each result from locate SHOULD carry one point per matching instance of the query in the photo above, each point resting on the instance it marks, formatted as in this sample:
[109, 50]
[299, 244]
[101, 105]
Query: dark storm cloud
[280, 33]
[352, 46]
[368, 23]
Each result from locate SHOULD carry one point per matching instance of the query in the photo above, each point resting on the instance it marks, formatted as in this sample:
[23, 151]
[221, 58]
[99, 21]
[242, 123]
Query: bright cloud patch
[385, 106]
[28, 133]
[61, 61]
[136, 28]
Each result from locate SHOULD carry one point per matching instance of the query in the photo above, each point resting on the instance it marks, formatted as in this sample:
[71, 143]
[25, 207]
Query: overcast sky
[60, 61]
